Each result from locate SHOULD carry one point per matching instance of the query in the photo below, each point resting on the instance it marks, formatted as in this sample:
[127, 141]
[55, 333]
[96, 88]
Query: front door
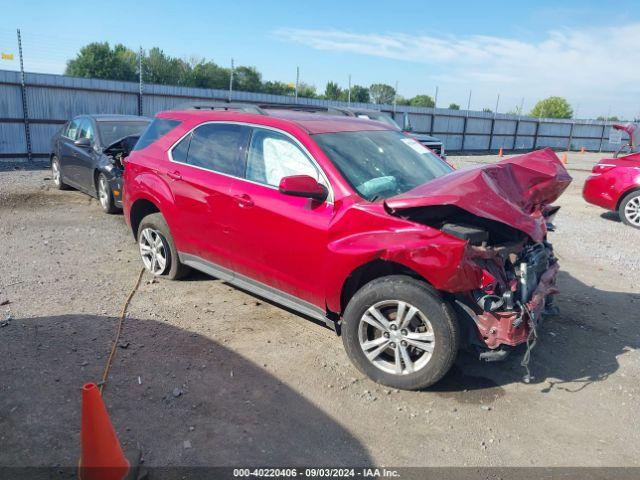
[280, 240]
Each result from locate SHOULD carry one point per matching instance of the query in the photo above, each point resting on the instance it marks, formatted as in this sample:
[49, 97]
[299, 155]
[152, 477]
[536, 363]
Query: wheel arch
[369, 271]
[633, 189]
[140, 209]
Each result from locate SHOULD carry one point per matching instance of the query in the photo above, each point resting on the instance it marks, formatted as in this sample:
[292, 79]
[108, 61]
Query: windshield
[381, 164]
[111, 132]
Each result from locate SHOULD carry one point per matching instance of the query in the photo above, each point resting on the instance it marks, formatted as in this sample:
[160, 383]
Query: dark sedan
[87, 154]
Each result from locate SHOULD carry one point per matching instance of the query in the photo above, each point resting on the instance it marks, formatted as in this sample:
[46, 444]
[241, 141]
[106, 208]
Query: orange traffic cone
[101, 457]
[500, 152]
[564, 158]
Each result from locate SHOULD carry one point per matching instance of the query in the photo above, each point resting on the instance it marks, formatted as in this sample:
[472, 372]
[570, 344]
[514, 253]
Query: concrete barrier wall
[53, 99]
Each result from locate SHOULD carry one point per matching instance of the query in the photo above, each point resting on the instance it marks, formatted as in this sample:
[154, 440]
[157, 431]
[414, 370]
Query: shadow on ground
[185, 399]
[612, 216]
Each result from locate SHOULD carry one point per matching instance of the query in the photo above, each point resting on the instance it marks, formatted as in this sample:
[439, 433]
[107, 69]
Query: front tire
[629, 209]
[56, 174]
[399, 332]
[105, 194]
[158, 252]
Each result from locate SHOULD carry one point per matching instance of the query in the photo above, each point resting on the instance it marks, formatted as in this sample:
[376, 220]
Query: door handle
[175, 175]
[244, 200]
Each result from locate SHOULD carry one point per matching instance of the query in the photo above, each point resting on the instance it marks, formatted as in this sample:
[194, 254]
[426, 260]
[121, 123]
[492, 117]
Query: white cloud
[593, 67]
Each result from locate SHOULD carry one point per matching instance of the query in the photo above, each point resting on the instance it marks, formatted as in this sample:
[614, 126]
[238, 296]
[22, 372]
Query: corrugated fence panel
[12, 138]
[62, 104]
[56, 98]
[10, 101]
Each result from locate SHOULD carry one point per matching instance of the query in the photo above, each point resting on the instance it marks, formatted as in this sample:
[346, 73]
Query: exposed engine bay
[121, 149]
[518, 281]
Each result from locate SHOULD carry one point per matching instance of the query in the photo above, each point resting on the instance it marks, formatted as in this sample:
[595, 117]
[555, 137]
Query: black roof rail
[303, 108]
[225, 106]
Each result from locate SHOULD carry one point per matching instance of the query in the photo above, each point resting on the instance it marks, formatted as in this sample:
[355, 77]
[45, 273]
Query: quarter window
[219, 147]
[273, 156]
[180, 151]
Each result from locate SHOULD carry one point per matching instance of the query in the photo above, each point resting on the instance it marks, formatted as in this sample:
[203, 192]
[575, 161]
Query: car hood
[512, 191]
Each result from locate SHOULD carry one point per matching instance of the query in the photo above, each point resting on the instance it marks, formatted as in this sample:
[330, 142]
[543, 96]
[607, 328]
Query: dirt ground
[206, 374]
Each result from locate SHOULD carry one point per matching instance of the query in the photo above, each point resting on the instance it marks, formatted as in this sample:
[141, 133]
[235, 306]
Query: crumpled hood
[511, 191]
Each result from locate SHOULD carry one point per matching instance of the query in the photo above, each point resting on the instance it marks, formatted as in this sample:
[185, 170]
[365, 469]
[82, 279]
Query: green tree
[161, 69]
[307, 91]
[487, 110]
[332, 91]
[205, 74]
[400, 100]
[278, 88]
[99, 60]
[422, 101]
[247, 79]
[613, 118]
[552, 107]
[454, 106]
[382, 93]
[360, 94]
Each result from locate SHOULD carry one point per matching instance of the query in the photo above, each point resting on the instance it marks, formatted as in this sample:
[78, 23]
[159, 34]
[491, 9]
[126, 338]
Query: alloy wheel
[55, 172]
[396, 337]
[153, 251]
[632, 211]
[103, 192]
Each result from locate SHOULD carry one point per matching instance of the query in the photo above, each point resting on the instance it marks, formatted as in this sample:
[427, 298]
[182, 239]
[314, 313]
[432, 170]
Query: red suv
[614, 184]
[352, 222]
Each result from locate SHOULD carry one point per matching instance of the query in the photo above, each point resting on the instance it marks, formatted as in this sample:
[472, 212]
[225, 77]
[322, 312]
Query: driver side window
[273, 156]
[85, 129]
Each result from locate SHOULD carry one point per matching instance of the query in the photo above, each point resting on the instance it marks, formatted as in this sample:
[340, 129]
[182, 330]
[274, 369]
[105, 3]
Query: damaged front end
[503, 213]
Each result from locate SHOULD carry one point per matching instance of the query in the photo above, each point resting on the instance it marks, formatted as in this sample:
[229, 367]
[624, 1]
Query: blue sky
[586, 51]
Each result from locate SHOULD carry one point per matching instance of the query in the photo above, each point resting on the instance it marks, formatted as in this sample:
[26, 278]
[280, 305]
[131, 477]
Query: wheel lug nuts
[403, 343]
[404, 332]
[394, 327]
[386, 334]
[392, 345]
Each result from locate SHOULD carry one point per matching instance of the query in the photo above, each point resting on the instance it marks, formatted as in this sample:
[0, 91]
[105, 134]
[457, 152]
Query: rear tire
[629, 209]
[158, 252]
[418, 324]
[56, 174]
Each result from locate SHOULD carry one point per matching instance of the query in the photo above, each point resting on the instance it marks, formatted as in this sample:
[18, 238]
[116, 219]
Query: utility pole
[395, 99]
[140, 108]
[25, 107]
[469, 103]
[349, 91]
[497, 103]
[231, 80]
[297, 82]
[435, 99]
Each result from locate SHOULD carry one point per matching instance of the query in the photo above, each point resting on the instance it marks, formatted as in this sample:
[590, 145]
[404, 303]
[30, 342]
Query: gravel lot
[209, 375]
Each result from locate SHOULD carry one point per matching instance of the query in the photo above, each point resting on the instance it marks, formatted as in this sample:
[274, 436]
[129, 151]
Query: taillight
[602, 167]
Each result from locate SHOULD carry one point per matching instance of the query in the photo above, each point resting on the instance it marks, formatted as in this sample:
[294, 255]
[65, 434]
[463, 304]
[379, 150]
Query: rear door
[202, 166]
[280, 240]
[85, 158]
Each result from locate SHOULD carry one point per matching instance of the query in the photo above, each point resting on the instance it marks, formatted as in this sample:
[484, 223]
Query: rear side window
[156, 129]
[219, 147]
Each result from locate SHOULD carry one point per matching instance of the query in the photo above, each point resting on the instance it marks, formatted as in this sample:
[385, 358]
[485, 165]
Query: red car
[614, 184]
[352, 222]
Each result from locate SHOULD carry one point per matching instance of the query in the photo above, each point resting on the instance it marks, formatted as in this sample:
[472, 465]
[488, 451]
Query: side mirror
[303, 186]
[83, 143]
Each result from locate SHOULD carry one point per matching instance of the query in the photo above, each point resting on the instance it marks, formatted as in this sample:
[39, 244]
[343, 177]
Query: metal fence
[34, 107]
